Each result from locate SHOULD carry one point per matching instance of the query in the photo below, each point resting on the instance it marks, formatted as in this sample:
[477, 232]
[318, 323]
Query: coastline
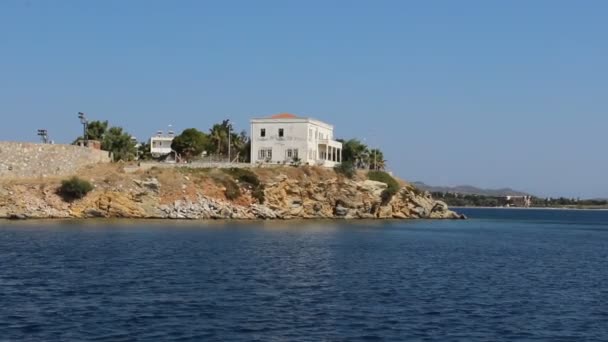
[532, 208]
[199, 194]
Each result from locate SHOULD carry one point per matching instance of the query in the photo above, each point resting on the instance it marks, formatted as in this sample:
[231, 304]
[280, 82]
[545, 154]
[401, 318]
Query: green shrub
[346, 168]
[296, 162]
[244, 176]
[387, 196]
[393, 185]
[74, 188]
[232, 189]
[258, 194]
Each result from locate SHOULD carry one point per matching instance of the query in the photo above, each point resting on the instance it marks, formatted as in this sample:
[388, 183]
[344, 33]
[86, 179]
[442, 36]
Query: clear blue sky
[488, 93]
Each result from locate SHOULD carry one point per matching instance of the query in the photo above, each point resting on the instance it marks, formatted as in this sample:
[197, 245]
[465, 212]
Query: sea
[502, 275]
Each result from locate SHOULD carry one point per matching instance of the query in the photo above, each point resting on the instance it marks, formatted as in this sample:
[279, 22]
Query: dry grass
[297, 173]
[181, 183]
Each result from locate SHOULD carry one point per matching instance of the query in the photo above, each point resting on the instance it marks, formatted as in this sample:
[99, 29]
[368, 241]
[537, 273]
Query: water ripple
[422, 281]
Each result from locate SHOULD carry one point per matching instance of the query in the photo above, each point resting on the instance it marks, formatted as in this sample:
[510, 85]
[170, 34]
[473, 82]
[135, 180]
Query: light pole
[228, 123]
[43, 134]
[85, 123]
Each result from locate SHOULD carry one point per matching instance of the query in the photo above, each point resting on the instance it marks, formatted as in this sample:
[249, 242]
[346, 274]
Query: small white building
[285, 138]
[160, 144]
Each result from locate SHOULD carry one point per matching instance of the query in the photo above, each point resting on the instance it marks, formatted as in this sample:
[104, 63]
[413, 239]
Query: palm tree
[362, 156]
[241, 145]
[219, 136]
[96, 130]
[377, 161]
[354, 151]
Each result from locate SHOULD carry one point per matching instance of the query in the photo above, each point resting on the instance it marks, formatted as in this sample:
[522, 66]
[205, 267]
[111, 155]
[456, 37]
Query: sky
[487, 93]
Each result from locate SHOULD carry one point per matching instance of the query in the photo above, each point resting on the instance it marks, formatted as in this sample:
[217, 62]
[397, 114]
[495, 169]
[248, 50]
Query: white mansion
[284, 138]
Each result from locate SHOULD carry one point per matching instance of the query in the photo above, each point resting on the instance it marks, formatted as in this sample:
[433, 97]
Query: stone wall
[28, 160]
[143, 166]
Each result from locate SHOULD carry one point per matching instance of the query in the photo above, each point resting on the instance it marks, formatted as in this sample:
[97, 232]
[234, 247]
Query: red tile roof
[284, 116]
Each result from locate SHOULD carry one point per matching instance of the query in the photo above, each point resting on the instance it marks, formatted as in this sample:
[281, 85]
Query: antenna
[44, 135]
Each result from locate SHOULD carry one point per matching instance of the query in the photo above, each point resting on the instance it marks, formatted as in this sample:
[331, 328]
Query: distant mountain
[470, 190]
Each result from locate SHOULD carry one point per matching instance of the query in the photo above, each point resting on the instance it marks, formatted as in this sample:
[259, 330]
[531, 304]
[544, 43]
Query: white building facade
[286, 138]
[160, 144]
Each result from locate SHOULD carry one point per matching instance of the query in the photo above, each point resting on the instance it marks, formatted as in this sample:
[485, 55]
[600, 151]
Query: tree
[190, 143]
[96, 130]
[356, 152]
[246, 154]
[143, 151]
[376, 160]
[219, 137]
[361, 155]
[241, 146]
[119, 143]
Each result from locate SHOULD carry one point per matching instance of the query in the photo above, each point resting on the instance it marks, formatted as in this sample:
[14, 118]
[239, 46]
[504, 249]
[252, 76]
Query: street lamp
[229, 127]
[85, 123]
[43, 134]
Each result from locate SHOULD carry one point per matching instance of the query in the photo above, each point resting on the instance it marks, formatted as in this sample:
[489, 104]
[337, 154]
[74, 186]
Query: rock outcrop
[172, 194]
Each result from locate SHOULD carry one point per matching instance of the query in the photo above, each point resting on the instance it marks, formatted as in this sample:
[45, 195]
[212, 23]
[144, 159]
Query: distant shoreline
[531, 208]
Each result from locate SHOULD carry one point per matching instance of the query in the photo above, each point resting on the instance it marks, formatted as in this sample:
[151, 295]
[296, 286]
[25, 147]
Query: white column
[339, 155]
[326, 152]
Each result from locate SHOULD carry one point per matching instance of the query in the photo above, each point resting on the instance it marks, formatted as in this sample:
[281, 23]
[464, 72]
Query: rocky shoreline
[289, 193]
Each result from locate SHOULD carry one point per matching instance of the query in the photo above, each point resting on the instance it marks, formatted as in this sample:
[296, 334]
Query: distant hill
[470, 190]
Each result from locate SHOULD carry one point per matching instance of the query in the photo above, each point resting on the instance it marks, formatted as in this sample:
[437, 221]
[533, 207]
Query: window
[292, 153]
[263, 132]
[264, 154]
[281, 133]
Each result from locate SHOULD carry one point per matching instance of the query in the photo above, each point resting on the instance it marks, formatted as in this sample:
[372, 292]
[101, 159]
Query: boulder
[340, 211]
[399, 215]
[93, 213]
[373, 187]
[422, 212]
[151, 184]
[440, 207]
[263, 212]
[17, 217]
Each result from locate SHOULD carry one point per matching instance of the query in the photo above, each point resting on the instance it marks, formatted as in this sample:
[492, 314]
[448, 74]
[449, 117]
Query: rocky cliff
[180, 193]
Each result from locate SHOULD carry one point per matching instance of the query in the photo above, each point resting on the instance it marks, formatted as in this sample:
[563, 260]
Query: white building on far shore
[160, 144]
[285, 138]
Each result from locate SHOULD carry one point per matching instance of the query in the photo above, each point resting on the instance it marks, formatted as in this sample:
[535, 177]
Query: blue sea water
[503, 275]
